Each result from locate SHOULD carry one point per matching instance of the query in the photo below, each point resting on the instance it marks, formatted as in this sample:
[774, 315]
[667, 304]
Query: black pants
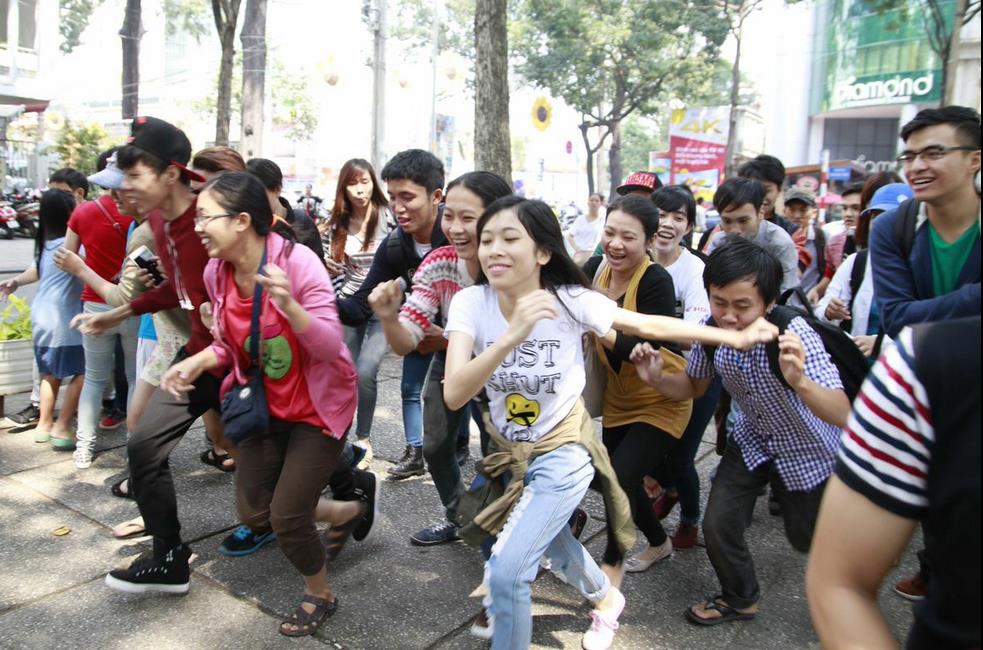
[634, 449]
[732, 497]
[440, 430]
[162, 425]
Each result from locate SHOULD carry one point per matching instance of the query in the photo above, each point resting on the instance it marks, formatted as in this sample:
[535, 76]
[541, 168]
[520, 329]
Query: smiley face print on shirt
[277, 355]
[520, 410]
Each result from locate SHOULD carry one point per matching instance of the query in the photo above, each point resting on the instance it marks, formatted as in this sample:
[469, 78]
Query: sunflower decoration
[542, 111]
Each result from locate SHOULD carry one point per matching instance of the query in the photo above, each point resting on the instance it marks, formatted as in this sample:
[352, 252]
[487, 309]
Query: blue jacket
[904, 289]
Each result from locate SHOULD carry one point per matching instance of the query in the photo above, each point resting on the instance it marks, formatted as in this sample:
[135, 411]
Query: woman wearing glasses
[281, 471]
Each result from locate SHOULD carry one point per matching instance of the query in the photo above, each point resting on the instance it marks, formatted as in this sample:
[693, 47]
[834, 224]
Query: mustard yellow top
[628, 399]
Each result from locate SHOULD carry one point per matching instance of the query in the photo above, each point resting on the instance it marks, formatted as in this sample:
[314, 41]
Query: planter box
[16, 362]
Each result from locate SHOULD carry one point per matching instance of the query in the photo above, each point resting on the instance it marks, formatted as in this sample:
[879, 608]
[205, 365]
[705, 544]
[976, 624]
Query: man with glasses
[925, 255]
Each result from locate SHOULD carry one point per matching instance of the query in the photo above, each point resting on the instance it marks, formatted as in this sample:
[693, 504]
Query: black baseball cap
[164, 140]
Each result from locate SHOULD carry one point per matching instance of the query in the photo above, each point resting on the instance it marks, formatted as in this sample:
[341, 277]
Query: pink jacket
[327, 364]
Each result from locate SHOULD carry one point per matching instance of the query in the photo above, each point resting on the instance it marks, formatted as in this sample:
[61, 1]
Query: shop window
[849, 139]
[4, 11]
[27, 23]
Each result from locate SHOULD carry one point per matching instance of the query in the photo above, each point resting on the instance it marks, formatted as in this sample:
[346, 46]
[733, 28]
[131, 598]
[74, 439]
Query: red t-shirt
[103, 234]
[283, 378]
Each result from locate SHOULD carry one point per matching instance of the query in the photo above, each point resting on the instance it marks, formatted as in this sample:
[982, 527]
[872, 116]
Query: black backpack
[846, 356]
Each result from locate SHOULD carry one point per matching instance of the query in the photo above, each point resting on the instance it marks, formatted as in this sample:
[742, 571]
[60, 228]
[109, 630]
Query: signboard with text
[698, 147]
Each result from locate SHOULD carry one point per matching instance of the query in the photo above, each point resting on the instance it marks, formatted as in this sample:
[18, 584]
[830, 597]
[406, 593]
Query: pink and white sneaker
[603, 625]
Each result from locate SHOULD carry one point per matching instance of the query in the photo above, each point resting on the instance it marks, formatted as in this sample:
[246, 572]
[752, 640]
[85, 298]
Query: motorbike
[19, 216]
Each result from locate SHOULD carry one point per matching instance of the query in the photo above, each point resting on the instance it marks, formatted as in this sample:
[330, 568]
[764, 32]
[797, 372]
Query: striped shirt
[886, 448]
[438, 279]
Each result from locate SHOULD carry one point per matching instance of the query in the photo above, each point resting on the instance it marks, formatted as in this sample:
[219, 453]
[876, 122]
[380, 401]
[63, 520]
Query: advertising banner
[660, 163]
[698, 147]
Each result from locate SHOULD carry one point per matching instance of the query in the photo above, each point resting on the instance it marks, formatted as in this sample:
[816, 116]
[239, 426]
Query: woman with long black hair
[307, 377]
[57, 348]
[359, 222]
[517, 334]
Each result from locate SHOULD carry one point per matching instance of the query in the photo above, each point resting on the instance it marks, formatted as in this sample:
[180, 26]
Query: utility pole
[379, 85]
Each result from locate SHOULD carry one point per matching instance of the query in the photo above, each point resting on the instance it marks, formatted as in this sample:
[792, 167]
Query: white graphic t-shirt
[538, 383]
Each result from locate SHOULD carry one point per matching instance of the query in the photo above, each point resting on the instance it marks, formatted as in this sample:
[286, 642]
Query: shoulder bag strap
[254, 332]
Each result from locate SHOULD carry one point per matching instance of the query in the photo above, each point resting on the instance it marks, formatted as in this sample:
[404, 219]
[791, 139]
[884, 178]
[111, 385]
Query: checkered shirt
[773, 424]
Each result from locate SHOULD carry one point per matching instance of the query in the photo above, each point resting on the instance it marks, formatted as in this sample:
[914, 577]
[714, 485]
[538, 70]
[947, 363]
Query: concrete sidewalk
[392, 594]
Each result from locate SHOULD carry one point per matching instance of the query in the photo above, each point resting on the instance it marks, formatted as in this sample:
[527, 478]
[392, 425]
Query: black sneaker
[367, 489]
[28, 416]
[411, 465]
[441, 533]
[244, 540]
[578, 521]
[168, 575]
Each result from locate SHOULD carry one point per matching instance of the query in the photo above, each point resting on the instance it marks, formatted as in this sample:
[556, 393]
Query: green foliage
[73, 19]
[15, 320]
[79, 147]
[609, 58]
[292, 105]
[192, 17]
[413, 23]
[640, 136]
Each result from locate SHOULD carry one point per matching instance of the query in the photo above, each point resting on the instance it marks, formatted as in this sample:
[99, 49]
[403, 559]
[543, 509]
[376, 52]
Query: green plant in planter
[15, 320]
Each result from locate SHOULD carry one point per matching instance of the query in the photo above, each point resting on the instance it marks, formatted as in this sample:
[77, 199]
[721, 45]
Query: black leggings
[634, 449]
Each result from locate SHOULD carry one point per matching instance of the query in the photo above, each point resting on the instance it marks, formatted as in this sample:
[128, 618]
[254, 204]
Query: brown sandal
[307, 623]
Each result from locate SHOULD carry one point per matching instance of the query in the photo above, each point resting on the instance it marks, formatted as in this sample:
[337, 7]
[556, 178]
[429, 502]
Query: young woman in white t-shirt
[517, 334]
[358, 223]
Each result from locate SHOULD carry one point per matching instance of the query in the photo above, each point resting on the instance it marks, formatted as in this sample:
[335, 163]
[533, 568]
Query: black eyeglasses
[202, 219]
[930, 154]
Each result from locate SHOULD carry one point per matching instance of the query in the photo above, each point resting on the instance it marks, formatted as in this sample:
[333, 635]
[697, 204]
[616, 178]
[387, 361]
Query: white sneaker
[366, 461]
[636, 564]
[603, 625]
[82, 458]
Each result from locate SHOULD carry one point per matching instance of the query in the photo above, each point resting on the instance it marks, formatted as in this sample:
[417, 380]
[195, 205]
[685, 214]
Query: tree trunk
[951, 64]
[492, 142]
[730, 157]
[253, 39]
[130, 35]
[226, 13]
[590, 157]
[614, 158]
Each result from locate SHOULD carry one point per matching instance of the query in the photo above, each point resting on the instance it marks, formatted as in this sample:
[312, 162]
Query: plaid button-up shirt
[774, 425]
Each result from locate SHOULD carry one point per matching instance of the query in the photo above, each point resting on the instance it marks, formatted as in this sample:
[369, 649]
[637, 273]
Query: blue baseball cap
[889, 197]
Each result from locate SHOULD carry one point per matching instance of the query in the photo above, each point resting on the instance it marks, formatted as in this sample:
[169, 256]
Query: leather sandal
[307, 623]
[727, 613]
[218, 461]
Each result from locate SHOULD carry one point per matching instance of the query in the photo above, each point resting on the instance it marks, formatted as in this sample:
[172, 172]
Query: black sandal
[117, 489]
[336, 537]
[307, 623]
[209, 457]
[727, 613]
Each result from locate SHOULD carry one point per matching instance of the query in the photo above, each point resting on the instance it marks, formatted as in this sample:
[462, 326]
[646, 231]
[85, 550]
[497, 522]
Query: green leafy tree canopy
[78, 147]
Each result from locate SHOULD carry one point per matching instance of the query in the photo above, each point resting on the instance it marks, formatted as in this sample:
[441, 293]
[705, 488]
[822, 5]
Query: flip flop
[117, 489]
[130, 529]
[727, 613]
[209, 457]
[63, 444]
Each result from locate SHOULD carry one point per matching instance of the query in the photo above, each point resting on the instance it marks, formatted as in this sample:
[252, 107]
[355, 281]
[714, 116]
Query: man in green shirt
[927, 268]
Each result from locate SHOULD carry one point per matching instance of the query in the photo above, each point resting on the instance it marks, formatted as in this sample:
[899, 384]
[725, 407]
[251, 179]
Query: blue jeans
[415, 367]
[99, 352]
[555, 483]
[368, 346]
